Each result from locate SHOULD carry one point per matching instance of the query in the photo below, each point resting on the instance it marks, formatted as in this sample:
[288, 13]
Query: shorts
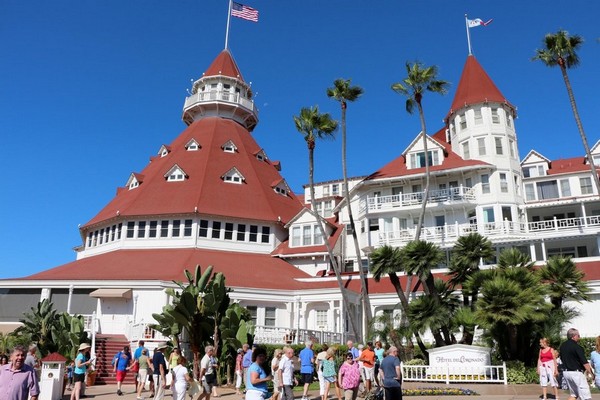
[547, 374]
[121, 375]
[142, 375]
[307, 378]
[78, 377]
[207, 386]
[329, 379]
[577, 384]
[369, 373]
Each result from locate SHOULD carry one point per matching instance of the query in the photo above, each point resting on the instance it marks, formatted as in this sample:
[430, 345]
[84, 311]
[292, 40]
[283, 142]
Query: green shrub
[518, 373]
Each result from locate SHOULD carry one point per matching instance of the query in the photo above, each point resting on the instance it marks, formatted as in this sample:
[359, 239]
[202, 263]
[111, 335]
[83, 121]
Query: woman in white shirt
[181, 379]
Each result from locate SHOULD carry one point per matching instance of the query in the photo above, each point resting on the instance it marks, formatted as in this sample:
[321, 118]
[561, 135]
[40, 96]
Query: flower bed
[438, 391]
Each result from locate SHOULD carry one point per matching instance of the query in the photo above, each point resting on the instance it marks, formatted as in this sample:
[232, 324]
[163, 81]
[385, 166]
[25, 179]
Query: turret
[221, 92]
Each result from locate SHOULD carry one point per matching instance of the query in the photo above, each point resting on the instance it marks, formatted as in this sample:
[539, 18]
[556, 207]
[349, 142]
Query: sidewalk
[486, 391]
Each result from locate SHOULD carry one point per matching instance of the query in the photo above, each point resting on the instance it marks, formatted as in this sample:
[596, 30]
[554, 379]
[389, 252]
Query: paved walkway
[486, 391]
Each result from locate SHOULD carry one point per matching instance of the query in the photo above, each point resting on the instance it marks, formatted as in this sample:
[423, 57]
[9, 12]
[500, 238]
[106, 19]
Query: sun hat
[84, 346]
[161, 345]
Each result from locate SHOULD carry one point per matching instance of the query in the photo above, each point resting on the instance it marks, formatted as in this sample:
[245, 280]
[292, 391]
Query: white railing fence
[447, 374]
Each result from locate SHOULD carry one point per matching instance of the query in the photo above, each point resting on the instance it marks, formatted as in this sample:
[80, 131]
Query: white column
[532, 252]
[69, 299]
[543, 244]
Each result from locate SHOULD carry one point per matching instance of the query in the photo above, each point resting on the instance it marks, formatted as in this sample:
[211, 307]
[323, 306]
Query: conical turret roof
[225, 65]
[476, 86]
[204, 188]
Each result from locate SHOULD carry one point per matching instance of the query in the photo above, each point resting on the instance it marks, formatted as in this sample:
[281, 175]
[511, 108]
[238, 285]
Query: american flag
[243, 11]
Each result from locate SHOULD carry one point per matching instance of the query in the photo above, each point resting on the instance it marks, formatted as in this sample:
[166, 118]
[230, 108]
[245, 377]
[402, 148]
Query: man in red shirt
[368, 359]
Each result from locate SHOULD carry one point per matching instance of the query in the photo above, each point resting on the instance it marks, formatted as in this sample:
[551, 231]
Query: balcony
[506, 230]
[455, 195]
[220, 96]
[281, 335]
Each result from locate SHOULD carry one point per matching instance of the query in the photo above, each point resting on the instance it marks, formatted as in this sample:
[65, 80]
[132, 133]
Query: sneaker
[119, 393]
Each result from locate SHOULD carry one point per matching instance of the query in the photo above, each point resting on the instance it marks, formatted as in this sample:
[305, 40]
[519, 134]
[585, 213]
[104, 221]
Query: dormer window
[233, 176]
[175, 174]
[134, 181]
[417, 160]
[192, 145]
[280, 190]
[164, 150]
[306, 235]
[229, 147]
[261, 156]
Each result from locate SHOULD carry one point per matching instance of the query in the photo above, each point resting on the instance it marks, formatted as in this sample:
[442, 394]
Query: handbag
[211, 378]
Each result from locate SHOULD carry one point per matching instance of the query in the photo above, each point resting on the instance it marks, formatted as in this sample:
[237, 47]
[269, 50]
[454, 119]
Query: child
[70, 374]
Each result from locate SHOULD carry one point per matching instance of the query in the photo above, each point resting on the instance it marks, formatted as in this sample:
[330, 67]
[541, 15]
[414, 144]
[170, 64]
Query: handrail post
[505, 377]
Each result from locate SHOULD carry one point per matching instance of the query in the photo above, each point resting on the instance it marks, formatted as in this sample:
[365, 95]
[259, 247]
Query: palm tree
[419, 79]
[343, 92]
[419, 257]
[564, 280]
[314, 125]
[387, 260]
[560, 49]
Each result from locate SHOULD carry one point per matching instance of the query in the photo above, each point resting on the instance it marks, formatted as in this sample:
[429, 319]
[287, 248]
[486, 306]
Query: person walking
[329, 375]
[208, 375]
[547, 368]
[595, 361]
[367, 357]
[379, 354]
[349, 377]
[159, 366]
[257, 377]
[277, 354]
[322, 355]
[392, 375]
[81, 365]
[574, 366]
[17, 380]
[239, 371]
[143, 371]
[286, 374]
[181, 379]
[307, 370]
[122, 365]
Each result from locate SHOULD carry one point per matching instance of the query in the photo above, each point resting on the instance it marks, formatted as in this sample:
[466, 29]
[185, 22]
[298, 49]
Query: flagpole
[227, 30]
[468, 34]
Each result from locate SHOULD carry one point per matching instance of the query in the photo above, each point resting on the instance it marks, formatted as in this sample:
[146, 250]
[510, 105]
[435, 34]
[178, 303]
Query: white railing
[455, 194]
[447, 374]
[449, 233]
[220, 96]
[282, 335]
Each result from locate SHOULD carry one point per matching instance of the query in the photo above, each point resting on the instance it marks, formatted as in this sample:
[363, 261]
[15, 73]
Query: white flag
[478, 22]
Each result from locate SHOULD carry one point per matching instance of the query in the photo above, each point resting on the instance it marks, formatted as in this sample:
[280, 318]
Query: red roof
[224, 64]
[54, 357]
[564, 166]
[247, 270]
[203, 190]
[398, 167]
[475, 86]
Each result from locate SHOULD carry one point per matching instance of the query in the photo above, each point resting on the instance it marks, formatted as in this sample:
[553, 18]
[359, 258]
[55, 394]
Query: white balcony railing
[449, 233]
[219, 96]
[456, 194]
[282, 335]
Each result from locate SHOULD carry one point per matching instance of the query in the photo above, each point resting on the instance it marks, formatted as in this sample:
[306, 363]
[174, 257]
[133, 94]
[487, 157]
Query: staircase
[107, 346]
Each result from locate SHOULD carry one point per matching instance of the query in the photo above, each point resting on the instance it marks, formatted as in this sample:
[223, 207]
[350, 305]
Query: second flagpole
[227, 30]
[468, 34]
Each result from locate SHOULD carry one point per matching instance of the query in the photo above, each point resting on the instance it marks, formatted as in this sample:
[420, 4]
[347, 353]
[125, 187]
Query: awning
[112, 293]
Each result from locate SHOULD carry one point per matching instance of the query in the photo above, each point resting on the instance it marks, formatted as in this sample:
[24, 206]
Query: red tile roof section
[398, 167]
[205, 190]
[475, 86]
[248, 270]
[225, 65]
[564, 166]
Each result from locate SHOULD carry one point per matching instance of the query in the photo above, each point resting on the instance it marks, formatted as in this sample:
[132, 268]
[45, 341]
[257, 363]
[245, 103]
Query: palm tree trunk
[588, 153]
[325, 237]
[364, 290]
[426, 194]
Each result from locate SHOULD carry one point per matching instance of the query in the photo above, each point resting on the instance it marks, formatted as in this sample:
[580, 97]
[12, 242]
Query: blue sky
[89, 90]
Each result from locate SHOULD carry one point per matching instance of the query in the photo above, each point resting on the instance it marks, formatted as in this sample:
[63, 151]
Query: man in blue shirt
[307, 362]
[353, 350]
[160, 371]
